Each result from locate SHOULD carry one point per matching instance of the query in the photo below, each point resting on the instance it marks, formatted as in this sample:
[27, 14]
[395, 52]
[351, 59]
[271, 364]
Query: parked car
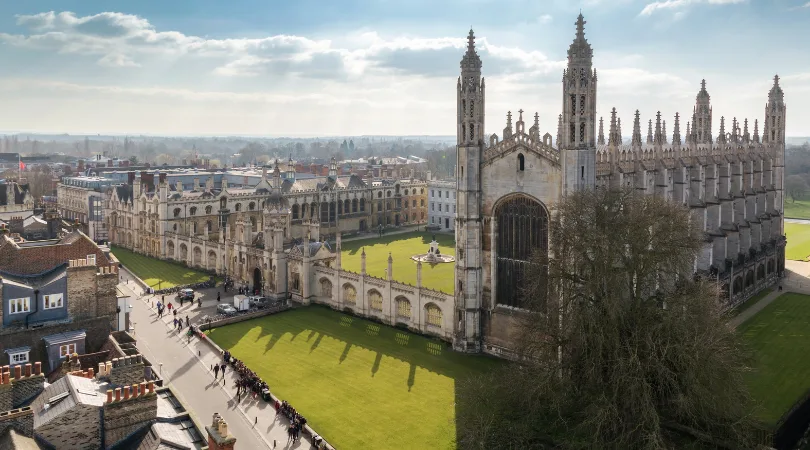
[226, 309]
[186, 294]
[258, 301]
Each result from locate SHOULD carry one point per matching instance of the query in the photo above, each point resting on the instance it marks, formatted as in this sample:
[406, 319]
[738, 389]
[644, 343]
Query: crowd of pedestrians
[297, 421]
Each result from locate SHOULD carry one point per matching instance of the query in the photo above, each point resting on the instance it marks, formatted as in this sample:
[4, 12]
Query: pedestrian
[163, 298]
[187, 321]
[199, 302]
[216, 371]
[174, 323]
[223, 370]
[174, 312]
[217, 296]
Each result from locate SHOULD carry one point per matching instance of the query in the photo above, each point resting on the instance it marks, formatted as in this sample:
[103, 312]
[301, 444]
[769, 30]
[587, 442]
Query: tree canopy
[626, 350]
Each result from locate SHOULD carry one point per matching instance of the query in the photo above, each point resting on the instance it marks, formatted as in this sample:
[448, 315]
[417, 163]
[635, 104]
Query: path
[375, 234]
[796, 280]
[799, 221]
[186, 367]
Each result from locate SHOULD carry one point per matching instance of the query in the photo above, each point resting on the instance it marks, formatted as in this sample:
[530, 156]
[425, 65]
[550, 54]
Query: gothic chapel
[733, 185]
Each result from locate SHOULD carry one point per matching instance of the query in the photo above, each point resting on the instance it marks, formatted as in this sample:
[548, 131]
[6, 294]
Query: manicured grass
[798, 241]
[157, 273]
[798, 210]
[779, 335]
[751, 301]
[402, 247]
[359, 384]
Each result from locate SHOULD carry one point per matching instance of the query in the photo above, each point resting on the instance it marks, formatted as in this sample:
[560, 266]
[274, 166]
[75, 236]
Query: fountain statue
[433, 255]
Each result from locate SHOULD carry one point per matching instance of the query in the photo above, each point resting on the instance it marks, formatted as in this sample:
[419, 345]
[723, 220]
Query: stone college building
[732, 182]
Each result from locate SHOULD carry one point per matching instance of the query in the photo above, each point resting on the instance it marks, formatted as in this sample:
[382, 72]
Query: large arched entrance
[522, 225]
[257, 280]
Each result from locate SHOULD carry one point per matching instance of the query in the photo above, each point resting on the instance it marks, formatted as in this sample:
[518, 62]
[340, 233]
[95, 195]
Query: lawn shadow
[376, 365]
[345, 352]
[316, 343]
[411, 376]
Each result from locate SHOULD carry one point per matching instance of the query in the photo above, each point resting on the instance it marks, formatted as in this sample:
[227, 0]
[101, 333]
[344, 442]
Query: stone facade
[733, 185]
[442, 204]
[15, 197]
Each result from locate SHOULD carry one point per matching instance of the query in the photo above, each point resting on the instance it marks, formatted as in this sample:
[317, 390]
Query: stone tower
[578, 127]
[702, 117]
[470, 122]
[774, 134]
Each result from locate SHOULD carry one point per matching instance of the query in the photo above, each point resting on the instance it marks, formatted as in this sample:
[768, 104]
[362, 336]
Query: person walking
[199, 302]
[217, 296]
[187, 324]
[216, 371]
[223, 370]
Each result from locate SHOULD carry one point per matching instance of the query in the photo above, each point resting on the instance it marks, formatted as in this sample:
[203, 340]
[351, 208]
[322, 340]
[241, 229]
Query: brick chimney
[219, 438]
[131, 177]
[80, 168]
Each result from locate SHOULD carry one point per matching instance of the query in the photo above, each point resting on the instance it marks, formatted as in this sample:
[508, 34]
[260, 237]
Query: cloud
[676, 5]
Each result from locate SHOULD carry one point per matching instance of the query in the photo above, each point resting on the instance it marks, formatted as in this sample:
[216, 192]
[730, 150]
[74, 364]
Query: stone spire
[776, 94]
[721, 138]
[657, 137]
[688, 132]
[471, 61]
[290, 169]
[649, 132]
[580, 50]
[537, 120]
[746, 137]
[664, 131]
[756, 131]
[702, 118]
[613, 128]
[601, 139]
[618, 131]
[636, 142]
[676, 133]
[507, 132]
[559, 131]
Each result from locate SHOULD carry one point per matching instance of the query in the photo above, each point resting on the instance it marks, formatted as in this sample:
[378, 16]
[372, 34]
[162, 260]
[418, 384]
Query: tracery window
[326, 288]
[582, 132]
[238, 207]
[573, 105]
[472, 108]
[573, 133]
[434, 315]
[522, 228]
[208, 209]
[375, 300]
[582, 105]
[176, 212]
[403, 307]
[472, 132]
[193, 211]
[252, 206]
[583, 81]
[349, 294]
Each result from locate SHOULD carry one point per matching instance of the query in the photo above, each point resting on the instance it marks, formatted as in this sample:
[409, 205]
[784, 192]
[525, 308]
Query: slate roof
[80, 390]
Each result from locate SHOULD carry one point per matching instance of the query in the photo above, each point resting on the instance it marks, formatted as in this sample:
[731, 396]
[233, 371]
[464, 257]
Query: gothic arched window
[522, 228]
[521, 162]
[472, 132]
[472, 108]
[208, 209]
[573, 105]
[573, 133]
[582, 132]
[582, 105]
[582, 80]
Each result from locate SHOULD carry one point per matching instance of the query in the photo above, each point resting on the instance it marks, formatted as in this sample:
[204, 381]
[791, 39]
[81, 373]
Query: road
[186, 367]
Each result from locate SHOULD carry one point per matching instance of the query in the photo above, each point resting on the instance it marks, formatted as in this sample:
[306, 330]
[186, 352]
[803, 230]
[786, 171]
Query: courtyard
[359, 384]
[158, 274]
[779, 336]
[402, 247]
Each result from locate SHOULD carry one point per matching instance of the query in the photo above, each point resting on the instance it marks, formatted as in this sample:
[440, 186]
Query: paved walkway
[795, 280]
[186, 366]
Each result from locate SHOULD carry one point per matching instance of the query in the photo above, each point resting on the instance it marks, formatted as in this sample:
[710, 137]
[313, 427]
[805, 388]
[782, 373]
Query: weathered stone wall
[79, 430]
[124, 417]
[81, 295]
[21, 420]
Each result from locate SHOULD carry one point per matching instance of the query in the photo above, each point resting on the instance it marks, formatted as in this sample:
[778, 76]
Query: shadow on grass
[418, 351]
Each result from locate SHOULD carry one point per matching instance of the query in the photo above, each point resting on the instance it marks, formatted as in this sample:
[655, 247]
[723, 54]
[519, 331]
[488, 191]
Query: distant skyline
[373, 67]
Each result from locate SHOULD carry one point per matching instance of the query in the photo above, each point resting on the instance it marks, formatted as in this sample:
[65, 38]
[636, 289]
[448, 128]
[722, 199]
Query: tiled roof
[25, 260]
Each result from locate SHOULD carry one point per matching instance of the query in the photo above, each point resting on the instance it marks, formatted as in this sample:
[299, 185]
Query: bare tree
[796, 187]
[624, 349]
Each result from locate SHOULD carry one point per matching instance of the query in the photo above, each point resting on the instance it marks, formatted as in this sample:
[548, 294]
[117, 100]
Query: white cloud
[665, 5]
[545, 18]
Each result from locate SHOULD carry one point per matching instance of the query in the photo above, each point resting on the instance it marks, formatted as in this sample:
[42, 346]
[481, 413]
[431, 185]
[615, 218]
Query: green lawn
[359, 384]
[798, 210]
[402, 247]
[779, 335]
[751, 301]
[798, 241]
[152, 270]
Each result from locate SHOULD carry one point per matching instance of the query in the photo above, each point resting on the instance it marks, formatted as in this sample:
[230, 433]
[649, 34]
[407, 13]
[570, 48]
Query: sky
[308, 68]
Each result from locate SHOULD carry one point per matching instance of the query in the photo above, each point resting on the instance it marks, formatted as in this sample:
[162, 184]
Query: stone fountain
[434, 255]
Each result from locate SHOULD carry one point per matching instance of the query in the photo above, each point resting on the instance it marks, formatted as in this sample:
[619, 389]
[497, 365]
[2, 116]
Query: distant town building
[81, 199]
[442, 204]
[15, 197]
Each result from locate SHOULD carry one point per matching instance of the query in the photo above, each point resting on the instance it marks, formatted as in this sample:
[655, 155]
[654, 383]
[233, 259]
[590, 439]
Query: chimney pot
[151, 386]
[136, 390]
[108, 370]
[37, 368]
[126, 392]
[109, 396]
[5, 369]
[117, 394]
[91, 373]
[6, 377]
[28, 370]
[17, 372]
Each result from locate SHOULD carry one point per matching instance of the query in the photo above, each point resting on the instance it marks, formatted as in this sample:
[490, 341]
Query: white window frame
[66, 350]
[18, 358]
[47, 299]
[19, 305]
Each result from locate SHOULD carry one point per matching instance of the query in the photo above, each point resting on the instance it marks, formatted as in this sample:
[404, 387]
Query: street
[187, 368]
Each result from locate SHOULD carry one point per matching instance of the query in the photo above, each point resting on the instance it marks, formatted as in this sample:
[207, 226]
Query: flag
[22, 165]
